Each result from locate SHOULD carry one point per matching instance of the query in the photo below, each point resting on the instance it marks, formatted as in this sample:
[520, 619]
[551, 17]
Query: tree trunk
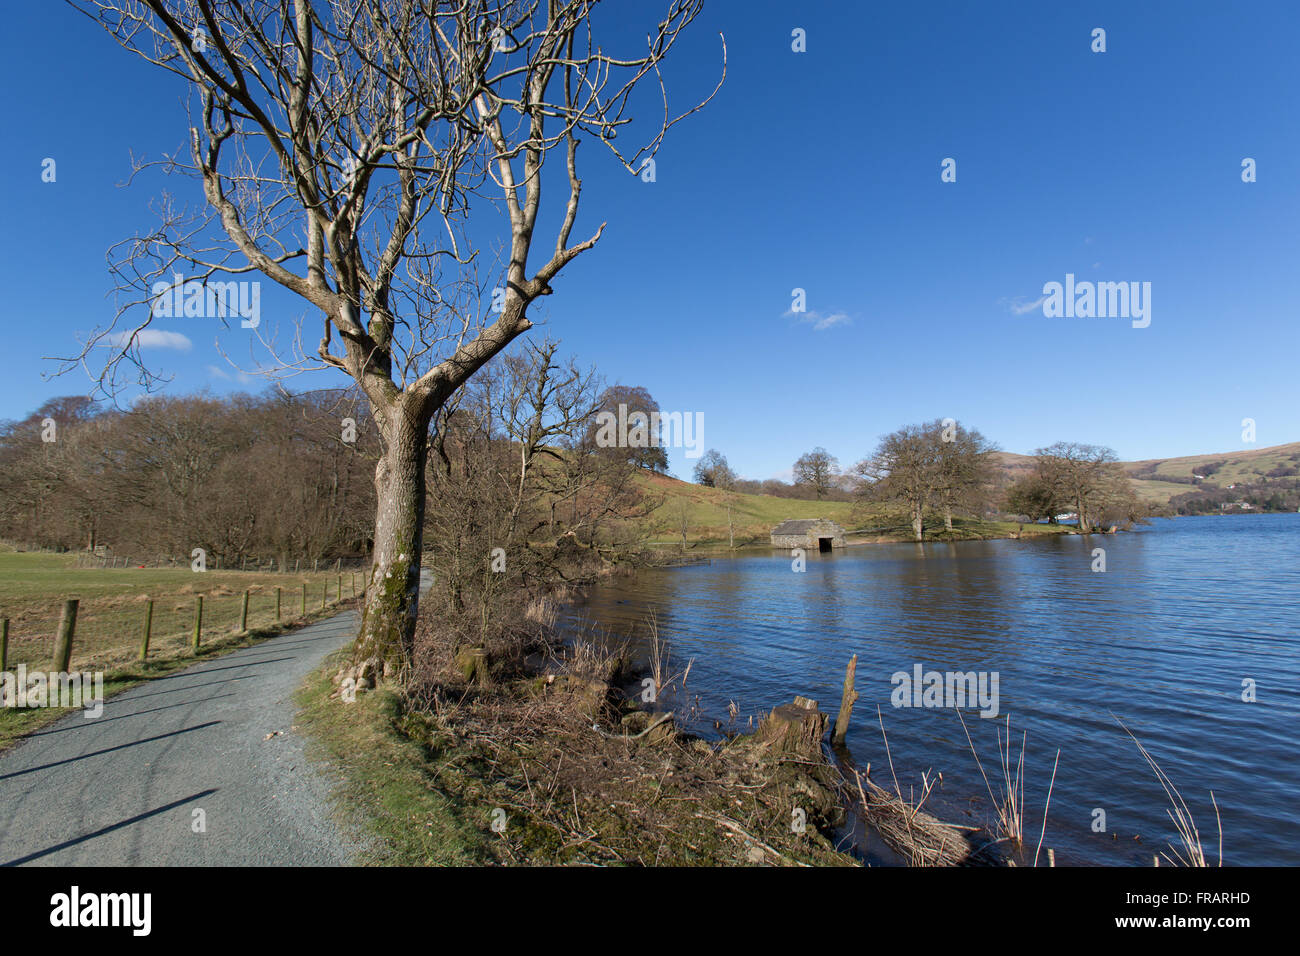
[918, 522]
[1083, 520]
[392, 597]
[947, 518]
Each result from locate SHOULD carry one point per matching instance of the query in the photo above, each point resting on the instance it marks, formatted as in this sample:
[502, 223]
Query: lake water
[1186, 610]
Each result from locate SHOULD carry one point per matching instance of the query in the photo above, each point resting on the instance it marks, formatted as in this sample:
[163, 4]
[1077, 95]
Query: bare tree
[963, 463]
[539, 402]
[1031, 497]
[816, 468]
[713, 471]
[599, 496]
[681, 515]
[903, 469]
[341, 147]
[1089, 477]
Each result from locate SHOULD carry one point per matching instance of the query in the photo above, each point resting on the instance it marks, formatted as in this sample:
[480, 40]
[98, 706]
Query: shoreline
[985, 532]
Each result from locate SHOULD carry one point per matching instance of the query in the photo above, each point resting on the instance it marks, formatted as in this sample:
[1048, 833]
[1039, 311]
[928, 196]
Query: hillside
[753, 516]
[1157, 480]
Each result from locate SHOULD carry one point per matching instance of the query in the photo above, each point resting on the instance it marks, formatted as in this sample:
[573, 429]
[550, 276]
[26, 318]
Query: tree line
[273, 477]
[941, 469]
[277, 477]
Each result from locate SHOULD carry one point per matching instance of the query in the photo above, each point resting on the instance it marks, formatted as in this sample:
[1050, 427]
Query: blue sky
[820, 170]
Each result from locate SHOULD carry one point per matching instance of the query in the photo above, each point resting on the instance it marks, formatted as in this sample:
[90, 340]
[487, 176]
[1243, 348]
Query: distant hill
[1159, 479]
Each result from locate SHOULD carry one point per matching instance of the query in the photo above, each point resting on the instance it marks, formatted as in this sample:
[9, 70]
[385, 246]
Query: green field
[113, 603]
[753, 516]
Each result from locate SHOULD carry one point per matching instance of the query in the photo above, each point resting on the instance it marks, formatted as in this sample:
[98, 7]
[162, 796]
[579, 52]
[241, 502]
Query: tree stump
[472, 663]
[794, 730]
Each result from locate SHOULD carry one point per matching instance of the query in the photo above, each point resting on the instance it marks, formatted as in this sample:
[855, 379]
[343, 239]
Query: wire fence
[119, 628]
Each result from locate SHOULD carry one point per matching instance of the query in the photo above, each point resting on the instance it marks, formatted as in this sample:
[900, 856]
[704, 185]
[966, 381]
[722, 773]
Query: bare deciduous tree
[963, 469]
[817, 469]
[341, 148]
[903, 469]
[712, 470]
[1089, 477]
[539, 403]
[1031, 497]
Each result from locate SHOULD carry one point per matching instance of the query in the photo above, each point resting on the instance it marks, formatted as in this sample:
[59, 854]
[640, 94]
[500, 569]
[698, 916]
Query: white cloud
[242, 377]
[1019, 306]
[819, 321]
[148, 339]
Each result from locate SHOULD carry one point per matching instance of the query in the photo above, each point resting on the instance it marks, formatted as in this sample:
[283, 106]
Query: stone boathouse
[812, 534]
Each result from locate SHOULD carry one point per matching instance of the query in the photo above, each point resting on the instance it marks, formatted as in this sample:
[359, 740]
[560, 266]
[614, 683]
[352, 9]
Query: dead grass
[1009, 802]
[918, 837]
[1190, 851]
[554, 765]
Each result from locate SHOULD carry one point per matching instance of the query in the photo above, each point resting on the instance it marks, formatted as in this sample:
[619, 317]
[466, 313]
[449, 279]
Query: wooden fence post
[4, 645]
[353, 577]
[340, 589]
[324, 593]
[243, 613]
[198, 622]
[847, 700]
[304, 598]
[67, 629]
[277, 604]
[148, 628]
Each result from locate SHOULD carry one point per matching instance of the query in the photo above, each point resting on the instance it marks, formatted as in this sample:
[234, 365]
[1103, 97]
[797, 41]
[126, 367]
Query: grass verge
[389, 784]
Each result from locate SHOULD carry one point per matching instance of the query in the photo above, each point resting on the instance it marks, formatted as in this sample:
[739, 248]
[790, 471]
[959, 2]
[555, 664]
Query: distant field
[754, 515]
[1158, 492]
[110, 618]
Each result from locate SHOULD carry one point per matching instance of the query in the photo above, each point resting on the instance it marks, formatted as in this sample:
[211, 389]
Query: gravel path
[123, 789]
